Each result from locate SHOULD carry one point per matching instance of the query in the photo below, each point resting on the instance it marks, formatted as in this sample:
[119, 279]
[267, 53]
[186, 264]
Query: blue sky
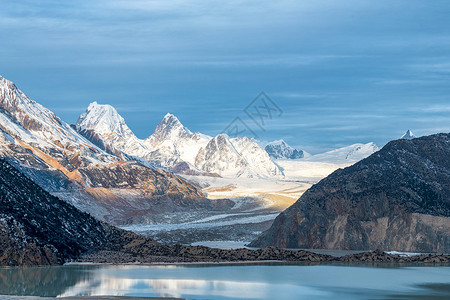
[341, 71]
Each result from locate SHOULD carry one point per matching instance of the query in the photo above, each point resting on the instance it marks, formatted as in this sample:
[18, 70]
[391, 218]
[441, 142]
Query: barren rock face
[396, 199]
[37, 228]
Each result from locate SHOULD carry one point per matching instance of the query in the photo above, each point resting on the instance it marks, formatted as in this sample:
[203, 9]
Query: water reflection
[41, 281]
[230, 282]
[181, 288]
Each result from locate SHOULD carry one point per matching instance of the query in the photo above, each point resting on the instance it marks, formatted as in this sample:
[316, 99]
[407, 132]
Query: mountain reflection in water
[279, 281]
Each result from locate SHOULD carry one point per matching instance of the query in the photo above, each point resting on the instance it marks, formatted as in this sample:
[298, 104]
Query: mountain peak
[103, 119]
[171, 121]
[170, 116]
[170, 128]
[408, 135]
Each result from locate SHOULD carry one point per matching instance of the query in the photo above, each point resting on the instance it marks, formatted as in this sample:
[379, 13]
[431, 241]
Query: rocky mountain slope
[396, 199]
[174, 147]
[66, 164]
[38, 228]
[281, 150]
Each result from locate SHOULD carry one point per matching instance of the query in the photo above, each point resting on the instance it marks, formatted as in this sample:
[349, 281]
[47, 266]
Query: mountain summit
[170, 128]
[408, 135]
[105, 127]
[104, 119]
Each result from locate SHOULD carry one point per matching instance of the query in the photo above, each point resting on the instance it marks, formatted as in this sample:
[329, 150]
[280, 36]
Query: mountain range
[37, 228]
[99, 180]
[396, 198]
[101, 167]
[174, 147]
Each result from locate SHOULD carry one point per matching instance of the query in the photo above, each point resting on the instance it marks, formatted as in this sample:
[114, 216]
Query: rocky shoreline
[144, 253]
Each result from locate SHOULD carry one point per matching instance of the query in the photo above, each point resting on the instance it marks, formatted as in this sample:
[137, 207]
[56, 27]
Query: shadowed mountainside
[396, 199]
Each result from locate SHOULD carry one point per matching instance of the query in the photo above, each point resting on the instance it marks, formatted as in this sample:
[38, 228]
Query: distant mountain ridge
[396, 199]
[348, 154]
[174, 147]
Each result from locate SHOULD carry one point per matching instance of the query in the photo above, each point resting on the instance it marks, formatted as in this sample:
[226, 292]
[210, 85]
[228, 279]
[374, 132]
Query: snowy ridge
[220, 156]
[173, 137]
[349, 154]
[26, 121]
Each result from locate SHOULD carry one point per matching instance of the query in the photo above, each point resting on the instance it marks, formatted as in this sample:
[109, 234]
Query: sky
[340, 72]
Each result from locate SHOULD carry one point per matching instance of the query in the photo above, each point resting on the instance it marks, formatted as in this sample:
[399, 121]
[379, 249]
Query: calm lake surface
[265, 281]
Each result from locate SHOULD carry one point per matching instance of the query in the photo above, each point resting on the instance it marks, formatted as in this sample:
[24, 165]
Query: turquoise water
[276, 281]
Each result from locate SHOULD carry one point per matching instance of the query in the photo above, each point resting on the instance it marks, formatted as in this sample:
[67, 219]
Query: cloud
[367, 68]
[433, 108]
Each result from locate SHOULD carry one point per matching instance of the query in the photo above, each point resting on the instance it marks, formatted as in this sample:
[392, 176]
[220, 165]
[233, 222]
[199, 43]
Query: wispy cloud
[341, 70]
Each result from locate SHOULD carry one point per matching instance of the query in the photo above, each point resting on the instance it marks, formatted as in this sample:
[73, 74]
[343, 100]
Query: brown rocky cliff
[397, 199]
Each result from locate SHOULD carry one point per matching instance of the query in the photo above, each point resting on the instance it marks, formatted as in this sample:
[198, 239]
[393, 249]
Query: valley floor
[257, 203]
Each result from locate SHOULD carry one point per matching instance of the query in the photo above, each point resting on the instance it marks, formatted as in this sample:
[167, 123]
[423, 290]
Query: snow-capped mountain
[257, 158]
[34, 127]
[281, 150]
[174, 147]
[349, 154]
[172, 136]
[169, 129]
[108, 128]
[66, 164]
[408, 135]
[220, 156]
[235, 157]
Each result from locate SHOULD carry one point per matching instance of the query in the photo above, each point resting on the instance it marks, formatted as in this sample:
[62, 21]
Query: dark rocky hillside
[37, 228]
[396, 199]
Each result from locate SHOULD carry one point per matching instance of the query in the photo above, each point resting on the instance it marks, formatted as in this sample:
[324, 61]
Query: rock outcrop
[37, 228]
[396, 199]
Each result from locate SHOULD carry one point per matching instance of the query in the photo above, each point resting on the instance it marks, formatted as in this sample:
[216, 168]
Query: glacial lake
[262, 281]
